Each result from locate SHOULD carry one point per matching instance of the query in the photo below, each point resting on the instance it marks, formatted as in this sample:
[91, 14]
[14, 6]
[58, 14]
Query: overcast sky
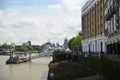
[39, 20]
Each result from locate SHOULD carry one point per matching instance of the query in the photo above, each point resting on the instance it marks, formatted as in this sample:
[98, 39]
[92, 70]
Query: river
[37, 69]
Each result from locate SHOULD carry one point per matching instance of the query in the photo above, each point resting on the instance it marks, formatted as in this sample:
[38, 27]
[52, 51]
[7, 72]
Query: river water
[37, 69]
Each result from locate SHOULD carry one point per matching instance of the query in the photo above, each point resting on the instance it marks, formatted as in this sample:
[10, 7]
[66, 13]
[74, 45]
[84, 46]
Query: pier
[20, 58]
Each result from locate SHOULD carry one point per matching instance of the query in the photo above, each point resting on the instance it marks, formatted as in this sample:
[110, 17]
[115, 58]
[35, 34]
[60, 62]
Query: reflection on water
[37, 69]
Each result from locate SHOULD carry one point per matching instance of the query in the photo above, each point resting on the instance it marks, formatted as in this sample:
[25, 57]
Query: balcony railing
[111, 11]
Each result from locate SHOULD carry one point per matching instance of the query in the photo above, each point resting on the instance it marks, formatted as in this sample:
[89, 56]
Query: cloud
[55, 7]
[73, 5]
[1, 13]
[54, 22]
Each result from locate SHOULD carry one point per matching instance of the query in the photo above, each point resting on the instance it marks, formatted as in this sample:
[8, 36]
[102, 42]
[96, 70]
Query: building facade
[112, 26]
[47, 46]
[93, 27]
[28, 43]
[65, 44]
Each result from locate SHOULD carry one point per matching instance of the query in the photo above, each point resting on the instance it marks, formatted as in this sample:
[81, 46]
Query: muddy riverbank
[67, 70]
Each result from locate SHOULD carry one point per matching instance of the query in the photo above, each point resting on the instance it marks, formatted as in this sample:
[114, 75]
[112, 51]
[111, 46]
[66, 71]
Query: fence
[108, 68]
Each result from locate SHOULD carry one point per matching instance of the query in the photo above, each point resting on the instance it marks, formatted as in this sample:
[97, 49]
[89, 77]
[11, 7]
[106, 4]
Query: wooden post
[29, 56]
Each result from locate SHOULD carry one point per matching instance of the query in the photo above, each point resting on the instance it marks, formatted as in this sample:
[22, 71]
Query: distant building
[47, 46]
[53, 44]
[65, 44]
[57, 45]
[28, 43]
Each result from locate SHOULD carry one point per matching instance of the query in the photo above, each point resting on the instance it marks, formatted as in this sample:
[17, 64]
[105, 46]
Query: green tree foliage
[40, 48]
[24, 48]
[70, 43]
[30, 48]
[5, 46]
[75, 43]
[79, 33]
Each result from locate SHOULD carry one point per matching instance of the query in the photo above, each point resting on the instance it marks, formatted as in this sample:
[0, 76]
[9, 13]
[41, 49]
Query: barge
[17, 59]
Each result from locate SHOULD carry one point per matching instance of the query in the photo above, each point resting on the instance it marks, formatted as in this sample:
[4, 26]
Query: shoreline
[67, 70]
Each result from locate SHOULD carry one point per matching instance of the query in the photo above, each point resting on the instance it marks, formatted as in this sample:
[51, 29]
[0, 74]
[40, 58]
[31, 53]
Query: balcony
[111, 11]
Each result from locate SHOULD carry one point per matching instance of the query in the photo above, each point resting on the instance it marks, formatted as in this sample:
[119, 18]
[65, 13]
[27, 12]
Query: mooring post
[29, 56]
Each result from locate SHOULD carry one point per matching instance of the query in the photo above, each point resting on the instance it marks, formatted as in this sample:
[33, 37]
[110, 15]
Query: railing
[41, 55]
[111, 11]
[109, 68]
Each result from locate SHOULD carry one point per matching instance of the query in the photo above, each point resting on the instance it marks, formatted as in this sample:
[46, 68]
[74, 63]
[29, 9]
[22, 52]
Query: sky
[39, 21]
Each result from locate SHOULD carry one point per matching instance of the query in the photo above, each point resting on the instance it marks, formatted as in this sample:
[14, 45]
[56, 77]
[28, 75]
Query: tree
[75, 43]
[23, 48]
[30, 48]
[40, 48]
[70, 43]
[79, 33]
[4, 46]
